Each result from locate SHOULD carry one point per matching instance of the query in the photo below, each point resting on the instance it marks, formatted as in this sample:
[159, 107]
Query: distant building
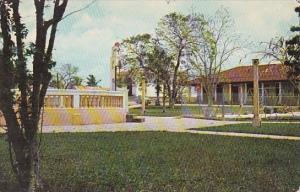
[236, 86]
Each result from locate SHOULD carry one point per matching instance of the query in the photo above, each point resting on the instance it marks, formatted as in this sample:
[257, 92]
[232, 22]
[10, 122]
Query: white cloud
[85, 38]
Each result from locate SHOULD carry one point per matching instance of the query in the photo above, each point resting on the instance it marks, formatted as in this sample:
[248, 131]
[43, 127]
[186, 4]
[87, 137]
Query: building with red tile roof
[236, 86]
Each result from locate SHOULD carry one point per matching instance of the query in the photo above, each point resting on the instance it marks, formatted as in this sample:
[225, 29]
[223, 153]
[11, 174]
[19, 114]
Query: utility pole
[256, 119]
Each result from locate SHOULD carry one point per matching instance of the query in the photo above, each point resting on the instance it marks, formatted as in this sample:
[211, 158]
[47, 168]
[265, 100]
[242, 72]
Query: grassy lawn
[162, 161]
[289, 129]
[185, 110]
[158, 111]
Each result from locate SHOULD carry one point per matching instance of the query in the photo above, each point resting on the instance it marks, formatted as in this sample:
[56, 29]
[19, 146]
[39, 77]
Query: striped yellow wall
[80, 116]
[83, 116]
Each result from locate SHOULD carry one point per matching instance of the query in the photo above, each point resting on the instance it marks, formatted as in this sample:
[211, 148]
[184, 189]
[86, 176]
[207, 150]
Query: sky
[85, 39]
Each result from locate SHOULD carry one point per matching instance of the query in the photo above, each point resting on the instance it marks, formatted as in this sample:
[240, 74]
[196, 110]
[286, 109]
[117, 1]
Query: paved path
[250, 135]
[171, 124]
[174, 124]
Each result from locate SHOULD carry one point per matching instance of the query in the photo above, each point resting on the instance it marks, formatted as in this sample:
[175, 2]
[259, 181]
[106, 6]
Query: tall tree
[135, 54]
[91, 81]
[160, 63]
[216, 43]
[276, 50]
[287, 52]
[146, 58]
[175, 32]
[66, 77]
[293, 51]
[22, 125]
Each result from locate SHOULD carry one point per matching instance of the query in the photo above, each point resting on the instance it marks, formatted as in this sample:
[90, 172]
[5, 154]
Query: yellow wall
[83, 116]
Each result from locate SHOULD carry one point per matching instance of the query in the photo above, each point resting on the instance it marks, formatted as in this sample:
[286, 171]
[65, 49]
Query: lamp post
[256, 119]
[117, 64]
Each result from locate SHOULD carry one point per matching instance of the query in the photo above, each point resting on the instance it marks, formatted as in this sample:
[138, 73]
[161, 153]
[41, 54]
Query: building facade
[236, 87]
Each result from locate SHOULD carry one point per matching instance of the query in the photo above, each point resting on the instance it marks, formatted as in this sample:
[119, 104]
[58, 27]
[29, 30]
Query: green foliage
[293, 51]
[162, 161]
[65, 77]
[175, 31]
[91, 81]
[77, 81]
[136, 50]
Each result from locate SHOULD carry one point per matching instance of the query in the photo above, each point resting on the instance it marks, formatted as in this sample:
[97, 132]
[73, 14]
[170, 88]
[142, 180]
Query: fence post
[256, 119]
[125, 100]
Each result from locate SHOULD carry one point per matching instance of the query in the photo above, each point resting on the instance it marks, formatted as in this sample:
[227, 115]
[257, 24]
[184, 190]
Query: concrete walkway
[171, 124]
[250, 135]
[174, 124]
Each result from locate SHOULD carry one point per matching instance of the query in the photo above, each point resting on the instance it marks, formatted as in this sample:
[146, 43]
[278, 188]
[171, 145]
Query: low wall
[83, 107]
[71, 116]
[83, 116]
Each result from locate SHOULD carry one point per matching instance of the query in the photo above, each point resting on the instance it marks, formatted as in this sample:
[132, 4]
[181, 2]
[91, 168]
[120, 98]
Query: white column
[241, 95]
[245, 93]
[125, 100]
[61, 101]
[76, 100]
[279, 93]
[262, 93]
[229, 94]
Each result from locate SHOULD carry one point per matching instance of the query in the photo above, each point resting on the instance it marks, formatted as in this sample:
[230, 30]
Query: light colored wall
[67, 107]
[193, 91]
[150, 91]
[83, 116]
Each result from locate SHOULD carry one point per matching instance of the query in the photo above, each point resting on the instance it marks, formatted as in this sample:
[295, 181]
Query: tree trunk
[26, 162]
[164, 98]
[157, 102]
[208, 111]
[174, 84]
[170, 95]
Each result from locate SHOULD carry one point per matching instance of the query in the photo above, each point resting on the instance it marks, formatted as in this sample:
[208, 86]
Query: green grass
[157, 111]
[162, 161]
[288, 129]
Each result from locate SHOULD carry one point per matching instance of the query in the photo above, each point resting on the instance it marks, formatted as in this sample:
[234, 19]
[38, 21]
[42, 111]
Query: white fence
[68, 98]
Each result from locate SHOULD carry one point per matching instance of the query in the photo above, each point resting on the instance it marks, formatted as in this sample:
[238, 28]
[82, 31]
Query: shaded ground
[287, 129]
[163, 161]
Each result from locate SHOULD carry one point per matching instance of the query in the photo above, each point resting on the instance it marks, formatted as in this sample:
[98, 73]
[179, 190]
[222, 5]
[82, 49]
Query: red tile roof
[267, 72]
